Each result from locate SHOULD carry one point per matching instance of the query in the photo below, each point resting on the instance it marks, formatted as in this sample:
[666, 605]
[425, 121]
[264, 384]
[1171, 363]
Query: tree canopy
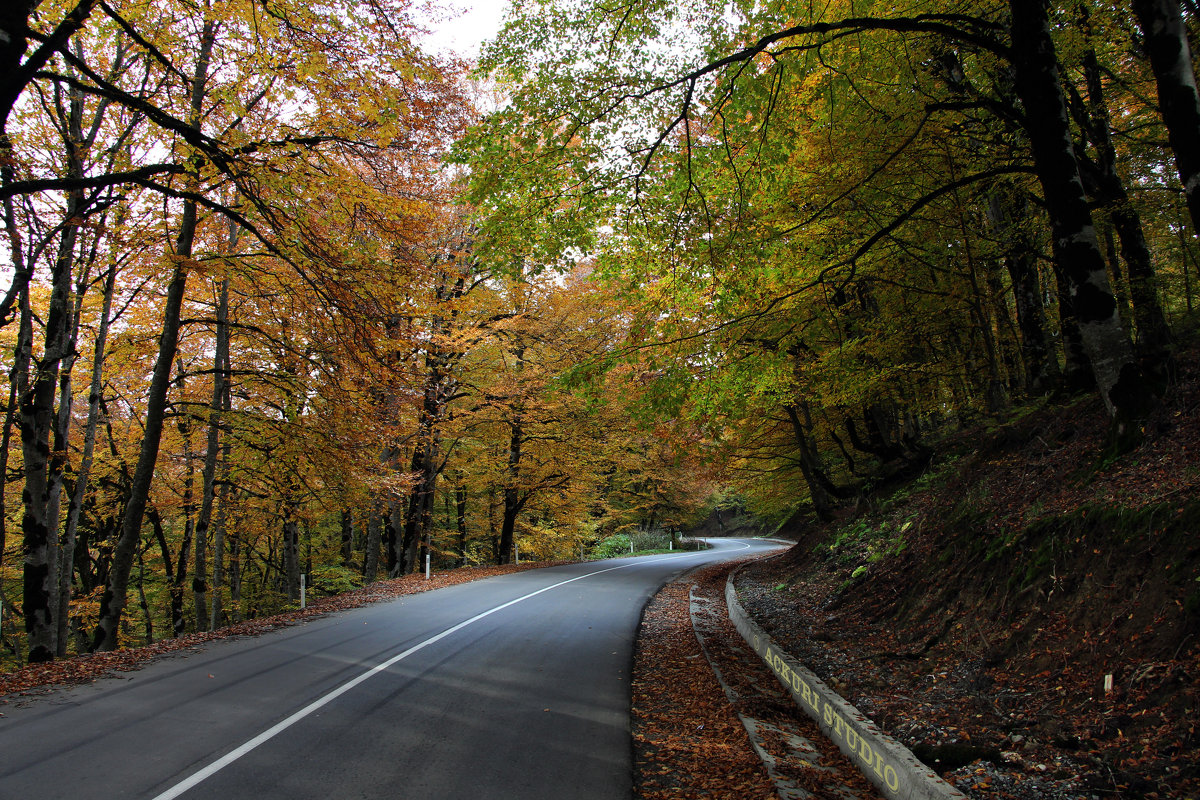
[331, 319]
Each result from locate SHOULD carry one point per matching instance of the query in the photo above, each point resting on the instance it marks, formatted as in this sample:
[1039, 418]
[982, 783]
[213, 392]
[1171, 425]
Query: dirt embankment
[1024, 617]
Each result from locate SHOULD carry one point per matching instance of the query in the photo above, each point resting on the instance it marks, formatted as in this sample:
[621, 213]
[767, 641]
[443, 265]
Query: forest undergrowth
[1024, 615]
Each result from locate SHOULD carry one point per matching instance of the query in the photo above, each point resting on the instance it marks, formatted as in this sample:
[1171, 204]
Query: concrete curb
[889, 765]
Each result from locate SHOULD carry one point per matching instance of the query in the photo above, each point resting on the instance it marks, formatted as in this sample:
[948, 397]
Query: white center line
[279, 727]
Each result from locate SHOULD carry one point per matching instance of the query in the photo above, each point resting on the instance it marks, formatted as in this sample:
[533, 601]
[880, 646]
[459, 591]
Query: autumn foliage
[251, 342]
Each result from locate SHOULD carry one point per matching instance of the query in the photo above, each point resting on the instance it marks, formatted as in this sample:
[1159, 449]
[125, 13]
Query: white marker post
[427, 566]
[517, 550]
[303, 581]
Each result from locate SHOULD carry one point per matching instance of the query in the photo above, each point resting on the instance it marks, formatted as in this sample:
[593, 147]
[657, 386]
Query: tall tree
[1076, 248]
[112, 603]
[1166, 42]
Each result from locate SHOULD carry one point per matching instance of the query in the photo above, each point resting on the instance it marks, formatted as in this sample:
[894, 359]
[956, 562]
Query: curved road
[511, 687]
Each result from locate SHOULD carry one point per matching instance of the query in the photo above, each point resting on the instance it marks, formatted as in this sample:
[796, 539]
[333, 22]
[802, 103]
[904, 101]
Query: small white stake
[302, 589]
[427, 566]
[1108, 683]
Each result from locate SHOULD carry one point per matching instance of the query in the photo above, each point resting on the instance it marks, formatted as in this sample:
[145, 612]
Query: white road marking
[278, 728]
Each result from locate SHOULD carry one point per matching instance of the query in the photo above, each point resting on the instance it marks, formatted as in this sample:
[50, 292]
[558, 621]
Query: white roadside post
[517, 550]
[427, 566]
[303, 582]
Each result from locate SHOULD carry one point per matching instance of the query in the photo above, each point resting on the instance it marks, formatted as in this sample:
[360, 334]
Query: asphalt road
[511, 687]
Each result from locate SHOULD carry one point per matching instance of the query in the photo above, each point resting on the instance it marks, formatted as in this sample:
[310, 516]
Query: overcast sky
[467, 24]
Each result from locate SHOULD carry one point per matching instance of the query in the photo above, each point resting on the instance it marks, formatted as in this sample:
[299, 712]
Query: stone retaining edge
[889, 765]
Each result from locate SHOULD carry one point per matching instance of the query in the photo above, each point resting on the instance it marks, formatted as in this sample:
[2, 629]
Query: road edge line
[889, 765]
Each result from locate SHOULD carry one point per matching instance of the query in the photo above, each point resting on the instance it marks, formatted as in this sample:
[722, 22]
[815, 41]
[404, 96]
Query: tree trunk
[371, 549]
[83, 473]
[1076, 249]
[14, 41]
[347, 520]
[1153, 335]
[980, 305]
[493, 534]
[291, 556]
[175, 570]
[148, 637]
[513, 498]
[508, 525]
[1179, 103]
[400, 534]
[460, 505]
[184, 425]
[217, 613]
[1009, 216]
[112, 602]
[1077, 369]
[439, 384]
[44, 467]
[389, 539]
[235, 575]
[820, 488]
[212, 452]
[1120, 288]
[18, 385]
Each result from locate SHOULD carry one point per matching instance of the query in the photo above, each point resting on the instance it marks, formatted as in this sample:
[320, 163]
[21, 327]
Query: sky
[467, 24]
